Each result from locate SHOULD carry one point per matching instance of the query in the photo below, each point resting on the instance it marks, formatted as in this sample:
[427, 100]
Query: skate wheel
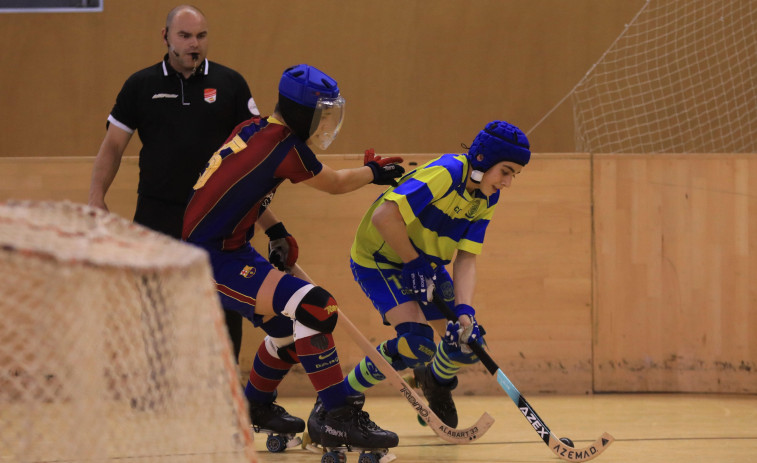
[566, 441]
[332, 457]
[367, 458]
[275, 444]
[421, 420]
[388, 458]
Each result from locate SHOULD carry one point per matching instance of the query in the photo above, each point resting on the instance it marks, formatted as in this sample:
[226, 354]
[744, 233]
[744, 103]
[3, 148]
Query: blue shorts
[240, 273]
[384, 288]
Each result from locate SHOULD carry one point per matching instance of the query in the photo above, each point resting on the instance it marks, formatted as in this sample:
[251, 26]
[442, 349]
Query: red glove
[370, 156]
[282, 248]
[385, 171]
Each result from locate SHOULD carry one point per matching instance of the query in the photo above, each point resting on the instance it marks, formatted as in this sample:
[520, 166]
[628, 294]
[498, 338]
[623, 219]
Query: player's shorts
[383, 286]
[239, 275]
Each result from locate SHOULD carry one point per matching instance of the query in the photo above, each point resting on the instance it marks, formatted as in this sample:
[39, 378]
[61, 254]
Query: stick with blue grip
[563, 448]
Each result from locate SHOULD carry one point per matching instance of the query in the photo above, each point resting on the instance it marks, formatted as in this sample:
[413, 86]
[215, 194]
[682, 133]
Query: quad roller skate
[348, 429]
[280, 426]
[312, 437]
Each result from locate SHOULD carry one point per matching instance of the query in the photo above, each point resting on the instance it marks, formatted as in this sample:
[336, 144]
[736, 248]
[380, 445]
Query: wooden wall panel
[676, 262]
[419, 76]
[66, 178]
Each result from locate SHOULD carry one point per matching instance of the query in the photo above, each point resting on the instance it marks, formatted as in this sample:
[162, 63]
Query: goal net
[112, 344]
[680, 78]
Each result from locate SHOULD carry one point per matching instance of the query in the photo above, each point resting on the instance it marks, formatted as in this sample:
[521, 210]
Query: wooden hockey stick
[557, 446]
[452, 435]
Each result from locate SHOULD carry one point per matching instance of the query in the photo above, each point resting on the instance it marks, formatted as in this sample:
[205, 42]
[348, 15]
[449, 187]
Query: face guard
[327, 121]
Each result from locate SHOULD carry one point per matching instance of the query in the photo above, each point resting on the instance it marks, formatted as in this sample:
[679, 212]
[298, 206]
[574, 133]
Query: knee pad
[414, 345]
[282, 348]
[317, 310]
[280, 340]
[278, 327]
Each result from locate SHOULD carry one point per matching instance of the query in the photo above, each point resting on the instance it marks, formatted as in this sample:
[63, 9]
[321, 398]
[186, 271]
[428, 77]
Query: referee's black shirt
[181, 123]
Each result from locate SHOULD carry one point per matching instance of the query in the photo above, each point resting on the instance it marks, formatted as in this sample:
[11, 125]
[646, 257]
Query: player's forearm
[267, 219]
[348, 180]
[389, 222]
[464, 273]
[341, 181]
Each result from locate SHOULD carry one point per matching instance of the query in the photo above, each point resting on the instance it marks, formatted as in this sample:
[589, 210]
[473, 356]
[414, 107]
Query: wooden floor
[669, 428]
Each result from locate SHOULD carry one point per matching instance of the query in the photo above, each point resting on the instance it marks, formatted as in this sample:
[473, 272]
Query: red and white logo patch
[210, 95]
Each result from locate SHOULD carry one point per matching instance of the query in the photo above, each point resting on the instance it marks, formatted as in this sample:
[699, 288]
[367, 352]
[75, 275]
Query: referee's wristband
[276, 231]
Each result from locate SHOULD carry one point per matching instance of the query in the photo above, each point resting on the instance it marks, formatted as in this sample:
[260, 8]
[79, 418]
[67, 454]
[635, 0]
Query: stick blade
[459, 435]
[451, 435]
[580, 454]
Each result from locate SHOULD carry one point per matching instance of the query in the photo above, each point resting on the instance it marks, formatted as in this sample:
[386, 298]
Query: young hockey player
[229, 198]
[437, 212]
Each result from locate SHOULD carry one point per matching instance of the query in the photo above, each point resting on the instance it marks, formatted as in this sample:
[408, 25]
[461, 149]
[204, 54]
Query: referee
[183, 108]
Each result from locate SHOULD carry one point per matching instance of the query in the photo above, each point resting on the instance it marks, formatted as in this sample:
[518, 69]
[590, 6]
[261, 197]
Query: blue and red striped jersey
[240, 180]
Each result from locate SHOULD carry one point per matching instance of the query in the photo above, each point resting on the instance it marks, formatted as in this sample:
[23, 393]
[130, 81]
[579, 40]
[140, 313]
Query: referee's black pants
[168, 217]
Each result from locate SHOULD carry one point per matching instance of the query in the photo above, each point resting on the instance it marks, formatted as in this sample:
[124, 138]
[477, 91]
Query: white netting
[112, 344]
[681, 78]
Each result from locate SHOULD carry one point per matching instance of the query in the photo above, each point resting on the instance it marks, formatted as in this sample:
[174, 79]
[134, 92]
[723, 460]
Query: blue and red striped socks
[320, 360]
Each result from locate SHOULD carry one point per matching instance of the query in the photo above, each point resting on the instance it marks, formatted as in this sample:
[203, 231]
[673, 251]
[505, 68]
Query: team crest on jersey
[473, 209]
[248, 271]
[210, 95]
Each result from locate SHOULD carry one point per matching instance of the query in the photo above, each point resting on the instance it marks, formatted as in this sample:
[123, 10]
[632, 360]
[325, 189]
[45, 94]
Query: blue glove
[464, 309]
[418, 278]
[445, 288]
[452, 334]
[457, 335]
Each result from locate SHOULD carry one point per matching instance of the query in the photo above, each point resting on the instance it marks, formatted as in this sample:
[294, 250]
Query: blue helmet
[499, 141]
[305, 84]
[302, 90]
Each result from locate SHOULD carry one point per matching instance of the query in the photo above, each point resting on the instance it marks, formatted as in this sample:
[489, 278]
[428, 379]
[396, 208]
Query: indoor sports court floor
[648, 428]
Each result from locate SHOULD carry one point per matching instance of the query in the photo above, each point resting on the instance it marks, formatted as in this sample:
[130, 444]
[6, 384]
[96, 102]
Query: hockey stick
[452, 435]
[557, 446]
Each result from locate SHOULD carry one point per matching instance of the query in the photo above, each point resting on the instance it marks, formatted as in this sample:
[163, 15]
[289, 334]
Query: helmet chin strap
[476, 176]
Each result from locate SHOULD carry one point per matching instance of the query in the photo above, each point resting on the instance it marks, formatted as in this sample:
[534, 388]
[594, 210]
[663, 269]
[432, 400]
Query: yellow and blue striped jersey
[440, 215]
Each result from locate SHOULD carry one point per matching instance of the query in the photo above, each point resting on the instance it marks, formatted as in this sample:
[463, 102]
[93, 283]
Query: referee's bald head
[172, 14]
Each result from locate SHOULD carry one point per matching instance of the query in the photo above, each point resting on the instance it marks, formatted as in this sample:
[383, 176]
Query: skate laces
[364, 420]
[263, 411]
[277, 409]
